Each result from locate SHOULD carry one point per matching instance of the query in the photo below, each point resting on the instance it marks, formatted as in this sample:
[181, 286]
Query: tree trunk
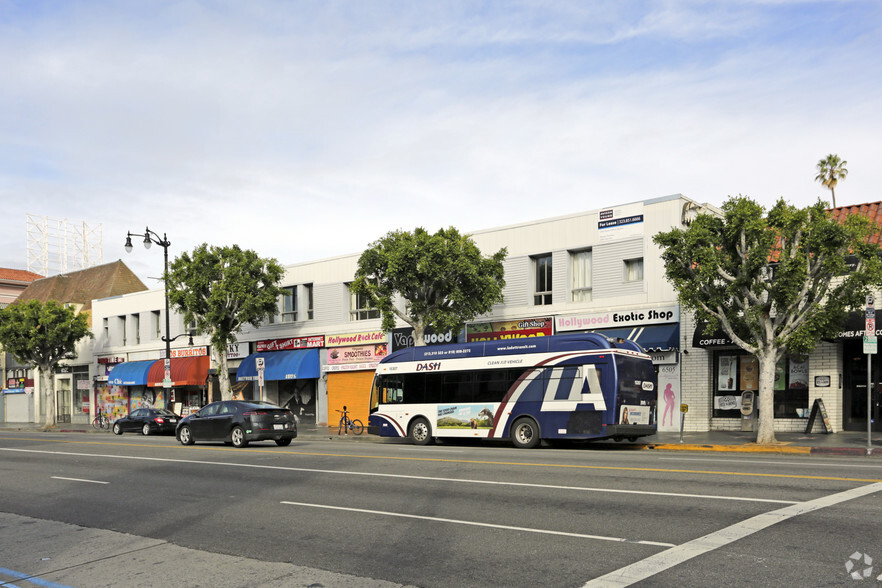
[219, 354]
[419, 331]
[47, 385]
[765, 433]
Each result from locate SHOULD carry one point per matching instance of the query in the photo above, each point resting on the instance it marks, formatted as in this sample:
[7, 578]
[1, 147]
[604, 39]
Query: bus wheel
[525, 433]
[420, 432]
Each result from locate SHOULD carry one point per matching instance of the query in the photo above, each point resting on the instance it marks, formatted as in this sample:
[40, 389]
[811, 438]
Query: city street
[148, 511]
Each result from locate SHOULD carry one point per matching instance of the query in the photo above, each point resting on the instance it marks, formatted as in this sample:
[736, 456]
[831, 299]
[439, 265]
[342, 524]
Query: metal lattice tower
[56, 246]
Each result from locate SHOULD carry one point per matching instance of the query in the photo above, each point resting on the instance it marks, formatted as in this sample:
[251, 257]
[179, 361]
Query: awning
[651, 338]
[185, 371]
[130, 373]
[718, 338]
[281, 365]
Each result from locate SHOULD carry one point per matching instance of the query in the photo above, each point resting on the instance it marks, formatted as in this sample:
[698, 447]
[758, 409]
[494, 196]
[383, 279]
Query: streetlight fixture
[151, 237]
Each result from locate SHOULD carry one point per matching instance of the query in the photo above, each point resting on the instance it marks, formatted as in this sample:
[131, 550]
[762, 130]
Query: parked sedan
[238, 422]
[147, 421]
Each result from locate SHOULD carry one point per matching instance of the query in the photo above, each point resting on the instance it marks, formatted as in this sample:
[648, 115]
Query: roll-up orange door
[352, 390]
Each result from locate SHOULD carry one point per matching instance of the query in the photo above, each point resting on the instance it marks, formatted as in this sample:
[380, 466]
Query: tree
[776, 283]
[43, 335]
[443, 279]
[831, 169]
[221, 289]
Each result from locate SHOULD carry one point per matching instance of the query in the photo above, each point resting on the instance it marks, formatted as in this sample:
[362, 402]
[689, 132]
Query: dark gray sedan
[238, 422]
[147, 421]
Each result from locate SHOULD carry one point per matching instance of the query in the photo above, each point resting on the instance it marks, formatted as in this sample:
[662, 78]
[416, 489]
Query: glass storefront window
[735, 372]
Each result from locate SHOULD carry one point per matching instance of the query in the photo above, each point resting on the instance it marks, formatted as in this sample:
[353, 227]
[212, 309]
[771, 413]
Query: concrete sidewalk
[841, 443]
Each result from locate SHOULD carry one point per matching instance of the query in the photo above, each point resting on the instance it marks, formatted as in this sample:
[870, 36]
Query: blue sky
[306, 130]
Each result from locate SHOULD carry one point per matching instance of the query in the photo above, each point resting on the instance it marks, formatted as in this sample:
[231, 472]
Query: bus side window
[393, 392]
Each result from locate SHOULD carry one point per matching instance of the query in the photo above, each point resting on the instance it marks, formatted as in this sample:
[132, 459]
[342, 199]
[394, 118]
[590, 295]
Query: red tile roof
[17, 275]
[872, 210]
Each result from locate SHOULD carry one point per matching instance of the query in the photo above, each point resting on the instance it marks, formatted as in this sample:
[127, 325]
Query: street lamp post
[149, 238]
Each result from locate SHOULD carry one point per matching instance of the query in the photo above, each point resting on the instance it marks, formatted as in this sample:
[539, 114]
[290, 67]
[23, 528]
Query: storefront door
[64, 401]
[854, 390]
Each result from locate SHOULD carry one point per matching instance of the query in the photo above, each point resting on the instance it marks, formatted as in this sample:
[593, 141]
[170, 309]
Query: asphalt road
[327, 513]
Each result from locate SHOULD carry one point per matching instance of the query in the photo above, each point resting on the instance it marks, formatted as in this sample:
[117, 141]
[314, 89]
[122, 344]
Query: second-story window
[122, 324]
[307, 294]
[360, 308]
[156, 324]
[289, 304]
[634, 270]
[581, 270]
[542, 284]
[136, 328]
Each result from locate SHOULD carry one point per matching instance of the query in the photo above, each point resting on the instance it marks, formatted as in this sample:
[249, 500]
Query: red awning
[185, 371]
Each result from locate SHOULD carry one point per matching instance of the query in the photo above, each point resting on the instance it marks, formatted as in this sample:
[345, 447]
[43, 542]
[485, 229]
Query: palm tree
[831, 169]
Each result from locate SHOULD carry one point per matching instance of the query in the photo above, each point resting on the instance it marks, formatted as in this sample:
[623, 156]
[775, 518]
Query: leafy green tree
[42, 335]
[776, 283]
[443, 279]
[831, 169]
[221, 289]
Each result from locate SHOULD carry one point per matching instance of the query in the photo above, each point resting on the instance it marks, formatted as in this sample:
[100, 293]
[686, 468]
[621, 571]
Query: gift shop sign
[290, 343]
[618, 318]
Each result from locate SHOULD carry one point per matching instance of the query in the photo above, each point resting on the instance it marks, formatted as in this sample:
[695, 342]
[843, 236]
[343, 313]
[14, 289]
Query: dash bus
[560, 387]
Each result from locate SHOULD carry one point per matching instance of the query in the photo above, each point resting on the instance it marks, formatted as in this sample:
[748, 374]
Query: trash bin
[748, 410]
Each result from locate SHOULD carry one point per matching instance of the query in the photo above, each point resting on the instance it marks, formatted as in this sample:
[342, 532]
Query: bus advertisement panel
[575, 386]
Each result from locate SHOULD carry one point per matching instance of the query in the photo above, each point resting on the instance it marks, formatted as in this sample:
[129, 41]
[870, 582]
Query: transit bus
[559, 387]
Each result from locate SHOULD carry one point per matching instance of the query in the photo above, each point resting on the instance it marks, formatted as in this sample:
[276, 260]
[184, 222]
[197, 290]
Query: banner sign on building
[621, 222]
[356, 339]
[237, 350]
[360, 357]
[188, 352]
[515, 329]
[403, 338]
[618, 318]
[310, 342]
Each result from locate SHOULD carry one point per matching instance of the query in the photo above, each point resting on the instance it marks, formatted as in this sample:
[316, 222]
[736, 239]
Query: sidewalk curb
[746, 448]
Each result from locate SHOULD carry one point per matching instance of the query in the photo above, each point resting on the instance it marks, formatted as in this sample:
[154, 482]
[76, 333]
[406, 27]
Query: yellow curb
[747, 448]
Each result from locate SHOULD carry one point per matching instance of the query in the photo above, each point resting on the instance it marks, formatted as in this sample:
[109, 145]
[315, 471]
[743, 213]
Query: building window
[736, 372]
[307, 291]
[155, 323]
[106, 324]
[136, 328]
[360, 308]
[581, 270]
[542, 285]
[122, 323]
[634, 270]
[289, 304]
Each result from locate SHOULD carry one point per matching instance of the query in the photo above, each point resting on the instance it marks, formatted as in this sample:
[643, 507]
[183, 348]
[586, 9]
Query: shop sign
[663, 357]
[658, 315]
[84, 385]
[102, 360]
[356, 339]
[360, 354]
[237, 350]
[290, 343]
[403, 338]
[513, 329]
[189, 352]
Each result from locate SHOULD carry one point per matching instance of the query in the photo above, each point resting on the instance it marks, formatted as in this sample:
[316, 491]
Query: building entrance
[854, 388]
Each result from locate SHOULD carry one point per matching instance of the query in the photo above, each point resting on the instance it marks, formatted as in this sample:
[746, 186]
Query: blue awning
[130, 373]
[651, 338]
[281, 365]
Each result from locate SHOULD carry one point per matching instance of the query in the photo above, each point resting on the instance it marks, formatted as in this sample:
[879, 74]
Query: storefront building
[351, 359]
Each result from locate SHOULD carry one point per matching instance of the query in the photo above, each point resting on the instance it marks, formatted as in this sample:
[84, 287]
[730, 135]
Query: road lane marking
[477, 524]
[408, 477]
[476, 462]
[808, 464]
[78, 480]
[669, 558]
[37, 581]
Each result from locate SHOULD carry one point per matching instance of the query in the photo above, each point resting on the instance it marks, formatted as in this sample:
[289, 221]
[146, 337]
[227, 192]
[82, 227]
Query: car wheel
[525, 433]
[117, 430]
[237, 436]
[420, 432]
[145, 430]
[283, 442]
[185, 436]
